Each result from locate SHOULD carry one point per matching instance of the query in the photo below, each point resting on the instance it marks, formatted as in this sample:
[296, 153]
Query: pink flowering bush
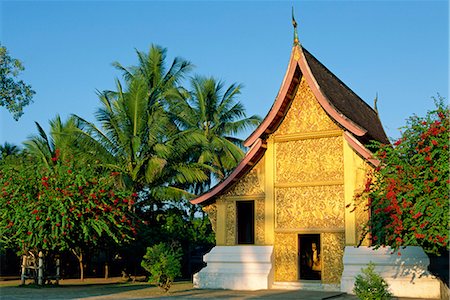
[408, 193]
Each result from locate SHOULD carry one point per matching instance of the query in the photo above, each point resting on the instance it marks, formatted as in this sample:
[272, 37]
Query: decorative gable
[305, 114]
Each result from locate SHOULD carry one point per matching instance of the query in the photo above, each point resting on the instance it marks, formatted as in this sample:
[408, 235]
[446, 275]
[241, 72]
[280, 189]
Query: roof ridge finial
[375, 101]
[294, 23]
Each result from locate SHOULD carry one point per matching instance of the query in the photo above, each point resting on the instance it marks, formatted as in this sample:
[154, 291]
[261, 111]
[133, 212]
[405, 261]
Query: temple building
[280, 217]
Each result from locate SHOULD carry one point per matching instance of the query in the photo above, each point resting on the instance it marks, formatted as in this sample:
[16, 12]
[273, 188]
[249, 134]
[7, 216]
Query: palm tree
[159, 79]
[8, 149]
[64, 140]
[213, 111]
[136, 136]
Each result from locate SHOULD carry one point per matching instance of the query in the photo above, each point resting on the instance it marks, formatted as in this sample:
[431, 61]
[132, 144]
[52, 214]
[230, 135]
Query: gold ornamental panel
[230, 222]
[259, 222]
[251, 184]
[332, 252]
[310, 207]
[211, 211]
[305, 114]
[310, 160]
[286, 258]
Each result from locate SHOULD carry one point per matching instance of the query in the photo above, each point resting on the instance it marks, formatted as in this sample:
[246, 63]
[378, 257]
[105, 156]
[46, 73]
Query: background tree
[137, 137]
[68, 207]
[64, 137]
[14, 93]
[214, 112]
[147, 142]
[408, 194]
[8, 149]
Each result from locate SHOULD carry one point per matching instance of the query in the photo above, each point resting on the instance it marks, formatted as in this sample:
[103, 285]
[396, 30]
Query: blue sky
[398, 49]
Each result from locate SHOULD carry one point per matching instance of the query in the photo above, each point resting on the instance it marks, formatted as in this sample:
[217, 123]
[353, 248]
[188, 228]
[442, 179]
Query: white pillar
[41, 268]
[24, 263]
[57, 270]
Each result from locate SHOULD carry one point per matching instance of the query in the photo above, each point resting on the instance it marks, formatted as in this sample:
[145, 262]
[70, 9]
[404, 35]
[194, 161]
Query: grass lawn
[115, 288]
[90, 288]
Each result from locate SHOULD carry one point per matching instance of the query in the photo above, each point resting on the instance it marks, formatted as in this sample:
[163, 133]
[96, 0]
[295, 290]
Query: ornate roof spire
[294, 23]
[375, 101]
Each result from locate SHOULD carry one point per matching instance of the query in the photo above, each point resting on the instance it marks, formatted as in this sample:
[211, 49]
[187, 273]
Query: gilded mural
[250, 184]
[230, 213]
[310, 160]
[211, 211]
[332, 252]
[286, 258]
[305, 114]
[310, 207]
[259, 222]
[230, 223]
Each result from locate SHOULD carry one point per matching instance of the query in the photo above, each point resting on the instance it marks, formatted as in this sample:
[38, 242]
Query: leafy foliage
[8, 149]
[65, 207]
[163, 264]
[153, 147]
[137, 137]
[213, 112]
[371, 286]
[408, 193]
[64, 136]
[14, 93]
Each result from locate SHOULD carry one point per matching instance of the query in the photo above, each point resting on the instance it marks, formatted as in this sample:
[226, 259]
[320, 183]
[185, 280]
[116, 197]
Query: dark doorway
[310, 259]
[245, 222]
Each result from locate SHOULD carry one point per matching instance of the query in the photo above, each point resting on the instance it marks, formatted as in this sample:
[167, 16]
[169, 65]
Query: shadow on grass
[72, 291]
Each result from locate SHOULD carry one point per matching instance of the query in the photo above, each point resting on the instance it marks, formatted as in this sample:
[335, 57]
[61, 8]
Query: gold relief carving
[230, 239]
[296, 54]
[259, 222]
[305, 114]
[211, 211]
[286, 259]
[310, 160]
[310, 207]
[252, 183]
[332, 252]
[231, 218]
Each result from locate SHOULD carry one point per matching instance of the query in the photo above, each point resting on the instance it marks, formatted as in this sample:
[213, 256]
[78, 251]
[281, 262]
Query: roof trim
[252, 157]
[298, 59]
[324, 102]
[275, 110]
[361, 149]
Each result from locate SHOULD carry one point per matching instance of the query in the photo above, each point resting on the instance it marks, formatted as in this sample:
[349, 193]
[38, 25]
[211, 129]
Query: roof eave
[361, 149]
[250, 159]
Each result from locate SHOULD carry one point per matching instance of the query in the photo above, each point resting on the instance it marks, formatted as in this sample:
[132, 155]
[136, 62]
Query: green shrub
[371, 286]
[163, 263]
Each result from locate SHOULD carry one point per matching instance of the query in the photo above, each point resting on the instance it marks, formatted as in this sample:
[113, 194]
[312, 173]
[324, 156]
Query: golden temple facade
[307, 160]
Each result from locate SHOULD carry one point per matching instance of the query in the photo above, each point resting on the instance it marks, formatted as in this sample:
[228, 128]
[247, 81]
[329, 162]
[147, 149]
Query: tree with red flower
[47, 208]
[409, 190]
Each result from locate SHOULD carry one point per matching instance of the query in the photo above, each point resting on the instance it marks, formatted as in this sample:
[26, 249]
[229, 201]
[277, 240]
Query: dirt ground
[116, 288]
